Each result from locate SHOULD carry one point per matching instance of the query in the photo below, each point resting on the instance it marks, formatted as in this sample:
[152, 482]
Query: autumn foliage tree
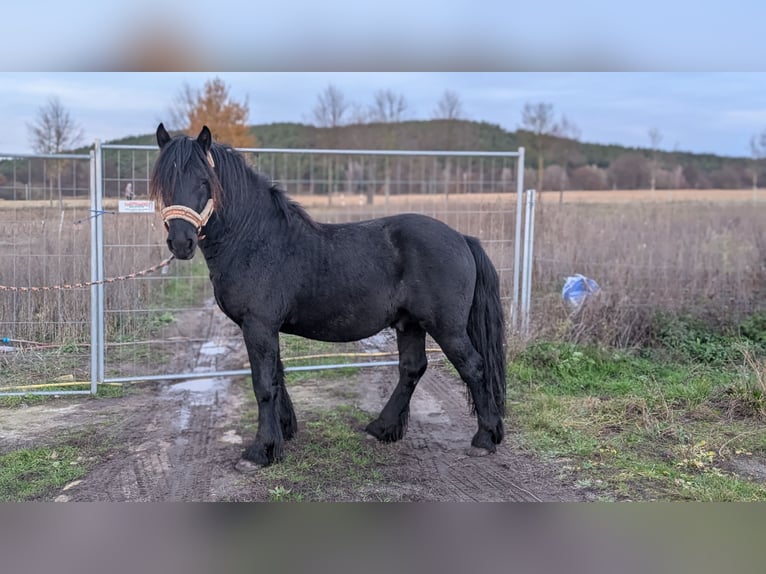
[214, 107]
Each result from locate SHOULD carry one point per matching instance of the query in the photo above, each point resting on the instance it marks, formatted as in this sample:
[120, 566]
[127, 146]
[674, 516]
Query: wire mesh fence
[701, 255]
[151, 321]
[44, 241]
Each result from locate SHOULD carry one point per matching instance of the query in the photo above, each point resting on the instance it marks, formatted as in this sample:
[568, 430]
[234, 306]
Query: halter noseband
[198, 220]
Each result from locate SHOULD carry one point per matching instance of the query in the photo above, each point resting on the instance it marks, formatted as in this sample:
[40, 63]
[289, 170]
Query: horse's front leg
[262, 344]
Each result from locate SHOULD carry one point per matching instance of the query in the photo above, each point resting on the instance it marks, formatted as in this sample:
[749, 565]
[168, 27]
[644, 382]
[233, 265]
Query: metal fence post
[97, 271]
[94, 341]
[529, 240]
[517, 242]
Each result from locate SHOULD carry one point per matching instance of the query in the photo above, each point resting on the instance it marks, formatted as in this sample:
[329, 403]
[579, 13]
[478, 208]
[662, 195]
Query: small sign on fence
[136, 206]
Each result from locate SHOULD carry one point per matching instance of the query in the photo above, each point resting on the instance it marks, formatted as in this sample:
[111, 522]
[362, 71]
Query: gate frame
[518, 312]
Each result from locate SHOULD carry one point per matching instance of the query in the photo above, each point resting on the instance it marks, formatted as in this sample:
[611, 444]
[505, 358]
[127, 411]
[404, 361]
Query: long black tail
[486, 326]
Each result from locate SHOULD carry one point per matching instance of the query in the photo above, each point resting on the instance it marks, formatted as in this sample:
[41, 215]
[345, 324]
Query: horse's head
[184, 181]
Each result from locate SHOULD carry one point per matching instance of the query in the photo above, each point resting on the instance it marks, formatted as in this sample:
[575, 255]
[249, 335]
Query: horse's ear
[205, 139]
[163, 137]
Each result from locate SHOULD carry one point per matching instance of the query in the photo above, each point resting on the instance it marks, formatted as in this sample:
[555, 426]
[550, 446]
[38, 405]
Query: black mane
[234, 182]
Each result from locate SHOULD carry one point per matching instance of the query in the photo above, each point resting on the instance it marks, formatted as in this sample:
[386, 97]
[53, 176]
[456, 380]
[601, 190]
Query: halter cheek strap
[198, 220]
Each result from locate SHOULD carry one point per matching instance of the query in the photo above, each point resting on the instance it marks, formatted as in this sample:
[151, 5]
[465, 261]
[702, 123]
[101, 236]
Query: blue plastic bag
[577, 289]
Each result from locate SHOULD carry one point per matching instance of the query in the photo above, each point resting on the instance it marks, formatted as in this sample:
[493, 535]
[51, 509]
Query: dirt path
[172, 442]
[434, 448]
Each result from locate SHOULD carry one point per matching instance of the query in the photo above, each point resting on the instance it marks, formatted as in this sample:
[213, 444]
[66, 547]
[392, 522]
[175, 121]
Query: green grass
[663, 423]
[187, 289]
[42, 366]
[330, 458]
[31, 473]
[36, 473]
[331, 452]
[104, 391]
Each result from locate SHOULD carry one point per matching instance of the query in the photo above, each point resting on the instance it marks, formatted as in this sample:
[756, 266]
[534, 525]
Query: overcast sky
[699, 112]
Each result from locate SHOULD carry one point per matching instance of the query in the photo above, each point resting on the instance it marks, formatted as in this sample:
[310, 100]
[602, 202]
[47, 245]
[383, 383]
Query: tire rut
[437, 440]
[173, 448]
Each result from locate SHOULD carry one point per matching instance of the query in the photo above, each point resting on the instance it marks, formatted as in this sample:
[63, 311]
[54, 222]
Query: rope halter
[198, 220]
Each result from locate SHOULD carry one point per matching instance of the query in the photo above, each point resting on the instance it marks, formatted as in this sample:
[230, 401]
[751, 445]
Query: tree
[538, 119]
[568, 144]
[213, 106]
[589, 177]
[449, 107]
[388, 107]
[655, 137]
[52, 132]
[757, 153]
[330, 108]
[630, 171]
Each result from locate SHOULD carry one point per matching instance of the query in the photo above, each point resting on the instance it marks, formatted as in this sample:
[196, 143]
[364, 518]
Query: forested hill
[571, 164]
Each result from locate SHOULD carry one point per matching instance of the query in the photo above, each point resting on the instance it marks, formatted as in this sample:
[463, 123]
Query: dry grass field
[573, 196]
[701, 253]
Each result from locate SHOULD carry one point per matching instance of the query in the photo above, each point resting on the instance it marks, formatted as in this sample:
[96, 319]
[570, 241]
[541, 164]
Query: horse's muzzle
[182, 239]
[183, 248]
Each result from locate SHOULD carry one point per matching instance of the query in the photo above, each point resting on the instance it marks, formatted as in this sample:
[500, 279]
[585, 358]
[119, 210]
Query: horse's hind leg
[469, 364]
[392, 422]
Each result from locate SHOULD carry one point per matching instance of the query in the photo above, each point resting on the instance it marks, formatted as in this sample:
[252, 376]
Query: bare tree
[54, 131]
[330, 108]
[757, 153]
[538, 119]
[569, 150]
[450, 107]
[655, 137]
[388, 107]
[182, 108]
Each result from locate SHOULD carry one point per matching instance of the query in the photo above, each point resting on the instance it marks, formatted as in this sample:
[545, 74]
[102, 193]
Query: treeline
[569, 164]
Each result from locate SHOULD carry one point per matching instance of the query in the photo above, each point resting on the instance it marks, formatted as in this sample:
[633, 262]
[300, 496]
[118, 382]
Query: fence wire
[154, 322]
[44, 335]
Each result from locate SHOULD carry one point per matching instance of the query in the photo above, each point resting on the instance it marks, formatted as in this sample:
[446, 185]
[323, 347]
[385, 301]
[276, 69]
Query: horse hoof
[475, 451]
[247, 467]
[384, 433]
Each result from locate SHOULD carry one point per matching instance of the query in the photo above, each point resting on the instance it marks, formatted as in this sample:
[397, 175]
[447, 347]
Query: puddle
[202, 386]
[200, 392]
[212, 348]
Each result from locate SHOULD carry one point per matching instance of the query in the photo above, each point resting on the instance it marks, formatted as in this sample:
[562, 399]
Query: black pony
[274, 269]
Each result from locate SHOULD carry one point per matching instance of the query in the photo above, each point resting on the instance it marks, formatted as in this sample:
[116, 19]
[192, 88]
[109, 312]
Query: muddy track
[181, 441]
[435, 447]
[176, 446]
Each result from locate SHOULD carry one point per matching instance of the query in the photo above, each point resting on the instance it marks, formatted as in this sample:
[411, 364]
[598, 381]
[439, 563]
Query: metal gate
[140, 327]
